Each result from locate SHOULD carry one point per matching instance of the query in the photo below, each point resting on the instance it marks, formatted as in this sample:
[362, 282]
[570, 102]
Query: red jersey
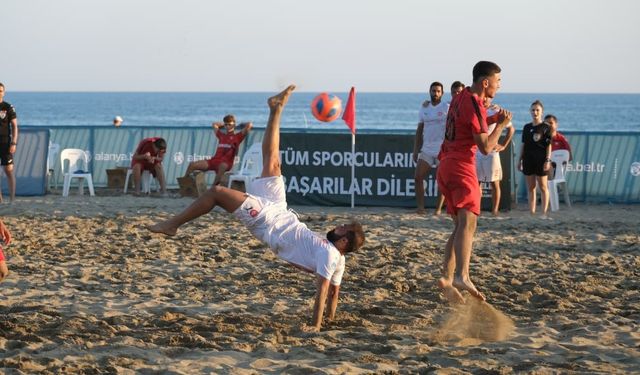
[146, 145]
[228, 145]
[559, 142]
[467, 116]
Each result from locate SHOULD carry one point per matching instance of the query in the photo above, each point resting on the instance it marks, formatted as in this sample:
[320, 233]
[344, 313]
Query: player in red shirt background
[558, 142]
[228, 145]
[148, 157]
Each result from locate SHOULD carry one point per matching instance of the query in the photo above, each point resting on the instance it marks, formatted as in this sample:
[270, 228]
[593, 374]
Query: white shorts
[488, 167]
[268, 197]
[432, 160]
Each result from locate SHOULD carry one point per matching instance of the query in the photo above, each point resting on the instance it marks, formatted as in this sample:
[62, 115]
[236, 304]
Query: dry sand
[91, 292]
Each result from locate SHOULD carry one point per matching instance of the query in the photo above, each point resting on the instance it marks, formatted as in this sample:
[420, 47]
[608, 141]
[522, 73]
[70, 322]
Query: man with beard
[265, 214]
[429, 137]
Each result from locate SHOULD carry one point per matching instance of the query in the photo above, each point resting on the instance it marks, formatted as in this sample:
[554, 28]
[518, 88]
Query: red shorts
[1, 254]
[458, 183]
[146, 166]
[214, 163]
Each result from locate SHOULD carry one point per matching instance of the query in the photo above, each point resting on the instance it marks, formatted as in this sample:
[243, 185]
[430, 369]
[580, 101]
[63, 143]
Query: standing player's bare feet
[450, 293]
[163, 228]
[466, 284]
[421, 211]
[281, 98]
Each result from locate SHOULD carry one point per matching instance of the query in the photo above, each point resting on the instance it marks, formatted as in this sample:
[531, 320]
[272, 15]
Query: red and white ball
[326, 107]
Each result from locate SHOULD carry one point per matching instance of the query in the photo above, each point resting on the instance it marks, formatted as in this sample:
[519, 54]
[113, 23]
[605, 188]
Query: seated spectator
[558, 141]
[148, 157]
[228, 145]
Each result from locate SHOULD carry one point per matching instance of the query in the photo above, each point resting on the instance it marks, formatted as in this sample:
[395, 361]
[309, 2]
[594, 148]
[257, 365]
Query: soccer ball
[326, 107]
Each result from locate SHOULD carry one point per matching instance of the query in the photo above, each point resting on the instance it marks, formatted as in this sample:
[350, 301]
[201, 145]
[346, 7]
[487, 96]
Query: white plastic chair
[251, 166]
[54, 151]
[77, 166]
[145, 181]
[561, 158]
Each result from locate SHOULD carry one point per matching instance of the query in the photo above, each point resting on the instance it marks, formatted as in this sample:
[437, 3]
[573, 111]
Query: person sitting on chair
[228, 145]
[148, 157]
[558, 142]
[266, 216]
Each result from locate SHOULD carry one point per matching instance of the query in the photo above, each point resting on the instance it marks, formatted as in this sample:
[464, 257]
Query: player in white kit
[429, 137]
[265, 214]
[488, 167]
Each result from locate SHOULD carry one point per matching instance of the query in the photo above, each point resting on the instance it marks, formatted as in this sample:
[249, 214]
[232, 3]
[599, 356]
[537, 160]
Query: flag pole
[353, 168]
[349, 117]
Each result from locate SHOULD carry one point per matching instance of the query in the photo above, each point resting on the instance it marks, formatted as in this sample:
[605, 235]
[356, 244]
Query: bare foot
[495, 213]
[467, 285]
[450, 293]
[163, 228]
[437, 213]
[281, 98]
[420, 211]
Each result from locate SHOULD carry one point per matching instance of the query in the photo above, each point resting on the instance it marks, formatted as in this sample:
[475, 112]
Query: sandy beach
[90, 291]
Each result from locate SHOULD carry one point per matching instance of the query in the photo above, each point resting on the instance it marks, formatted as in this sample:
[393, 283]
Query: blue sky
[377, 46]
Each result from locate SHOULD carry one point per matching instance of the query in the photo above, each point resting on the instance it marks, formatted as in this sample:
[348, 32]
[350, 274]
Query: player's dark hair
[355, 237]
[160, 143]
[229, 118]
[456, 84]
[436, 83]
[550, 117]
[537, 102]
[484, 69]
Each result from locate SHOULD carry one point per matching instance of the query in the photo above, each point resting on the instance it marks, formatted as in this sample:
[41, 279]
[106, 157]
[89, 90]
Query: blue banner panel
[316, 163]
[111, 147]
[605, 167]
[30, 163]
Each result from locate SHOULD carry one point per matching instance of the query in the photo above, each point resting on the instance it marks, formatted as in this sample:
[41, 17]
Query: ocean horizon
[374, 110]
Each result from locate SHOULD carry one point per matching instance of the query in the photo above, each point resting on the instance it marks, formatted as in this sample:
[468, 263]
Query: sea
[374, 111]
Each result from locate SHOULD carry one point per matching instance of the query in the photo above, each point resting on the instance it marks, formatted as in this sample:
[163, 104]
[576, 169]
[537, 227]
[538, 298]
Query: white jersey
[434, 119]
[266, 216]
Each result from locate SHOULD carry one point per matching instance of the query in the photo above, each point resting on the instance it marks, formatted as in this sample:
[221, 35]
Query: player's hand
[499, 148]
[547, 166]
[148, 157]
[415, 157]
[216, 125]
[4, 233]
[504, 117]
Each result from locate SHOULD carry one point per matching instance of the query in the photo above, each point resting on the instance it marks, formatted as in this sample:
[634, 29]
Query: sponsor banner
[317, 170]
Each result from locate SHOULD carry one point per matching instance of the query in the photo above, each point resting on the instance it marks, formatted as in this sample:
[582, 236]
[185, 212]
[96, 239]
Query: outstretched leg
[271, 140]
[228, 199]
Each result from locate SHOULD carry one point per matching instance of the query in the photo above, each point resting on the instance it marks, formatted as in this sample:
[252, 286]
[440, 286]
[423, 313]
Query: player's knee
[272, 165]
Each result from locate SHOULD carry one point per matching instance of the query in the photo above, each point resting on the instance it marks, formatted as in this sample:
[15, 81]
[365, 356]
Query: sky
[544, 46]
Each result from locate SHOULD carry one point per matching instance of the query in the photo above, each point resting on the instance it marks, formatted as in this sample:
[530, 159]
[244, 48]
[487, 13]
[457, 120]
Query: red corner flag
[349, 115]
